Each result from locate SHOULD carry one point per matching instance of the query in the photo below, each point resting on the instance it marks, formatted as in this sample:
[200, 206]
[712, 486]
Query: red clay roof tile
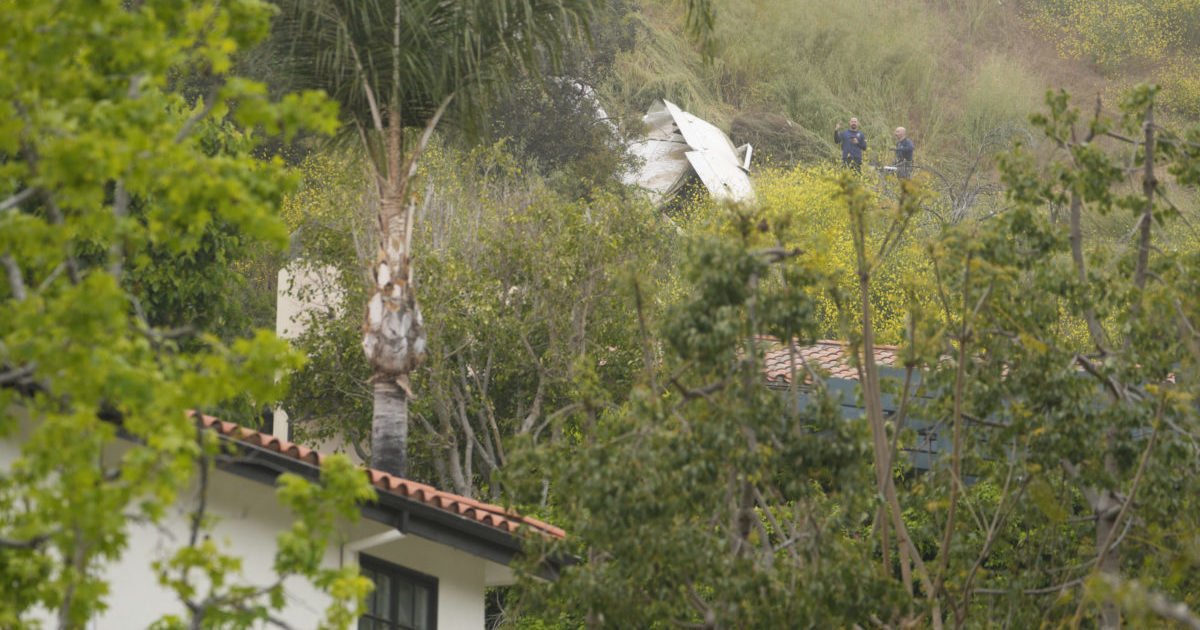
[829, 356]
[485, 513]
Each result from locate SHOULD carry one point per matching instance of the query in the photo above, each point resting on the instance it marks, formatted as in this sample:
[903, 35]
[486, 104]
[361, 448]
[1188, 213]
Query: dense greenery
[532, 321]
[598, 362]
[122, 205]
[1066, 490]
[696, 495]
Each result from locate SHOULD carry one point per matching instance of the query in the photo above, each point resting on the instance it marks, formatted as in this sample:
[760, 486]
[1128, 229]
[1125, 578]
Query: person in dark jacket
[904, 153]
[853, 142]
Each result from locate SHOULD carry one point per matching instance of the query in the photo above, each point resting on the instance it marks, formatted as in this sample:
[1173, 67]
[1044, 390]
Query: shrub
[1180, 80]
[1108, 32]
[801, 211]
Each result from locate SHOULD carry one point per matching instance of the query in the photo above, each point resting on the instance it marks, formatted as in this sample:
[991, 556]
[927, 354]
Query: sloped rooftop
[493, 516]
[831, 357]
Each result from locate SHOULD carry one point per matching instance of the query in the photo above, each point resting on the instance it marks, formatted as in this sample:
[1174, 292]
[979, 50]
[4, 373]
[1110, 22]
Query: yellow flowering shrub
[1180, 80]
[802, 210]
[1110, 32]
[334, 185]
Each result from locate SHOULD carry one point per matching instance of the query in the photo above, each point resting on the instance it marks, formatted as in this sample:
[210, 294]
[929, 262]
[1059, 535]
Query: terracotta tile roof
[494, 516]
[829, 356]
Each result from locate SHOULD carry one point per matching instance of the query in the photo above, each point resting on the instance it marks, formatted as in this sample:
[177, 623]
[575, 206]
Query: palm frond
[376, 56]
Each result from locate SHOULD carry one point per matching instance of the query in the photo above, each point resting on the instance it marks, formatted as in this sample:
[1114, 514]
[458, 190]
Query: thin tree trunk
[957, 420]
[1108, 507]
[1107, 510]
[1076, 239]
[887, 487]
[455, 463]
[1148, 184]
[872, 399]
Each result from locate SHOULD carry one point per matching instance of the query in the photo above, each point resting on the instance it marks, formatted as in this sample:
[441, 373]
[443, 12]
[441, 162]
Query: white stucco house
[430, 553]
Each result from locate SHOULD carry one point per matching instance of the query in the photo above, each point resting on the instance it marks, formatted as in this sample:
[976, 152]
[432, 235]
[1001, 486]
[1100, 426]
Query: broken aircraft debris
[678, 144]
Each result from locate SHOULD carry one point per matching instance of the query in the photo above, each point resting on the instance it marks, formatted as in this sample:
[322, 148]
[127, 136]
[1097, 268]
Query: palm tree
[397, 68]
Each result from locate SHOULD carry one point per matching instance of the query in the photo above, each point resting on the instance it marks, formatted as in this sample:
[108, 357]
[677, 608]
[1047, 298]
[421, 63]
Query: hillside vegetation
[1031, 458]
[948, 71]
[595, 361]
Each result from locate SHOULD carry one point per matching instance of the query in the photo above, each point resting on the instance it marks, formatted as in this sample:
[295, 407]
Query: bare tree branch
[1057, 588]
[703, 391]
[1149, 185]
[31, 543]
[16, 375]
[116, 250]
[15, 282]
[647, 351]
[210, 101]
[1113, 386]
[18, 199]
[1161, 606]
[568, 409]
[426, 135]
[49, 279]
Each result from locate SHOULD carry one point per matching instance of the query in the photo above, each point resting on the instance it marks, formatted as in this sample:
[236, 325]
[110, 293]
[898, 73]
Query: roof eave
[406, 515]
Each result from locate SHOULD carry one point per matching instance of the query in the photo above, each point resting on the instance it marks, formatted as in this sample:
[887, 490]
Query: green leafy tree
[1064, 487]
[108, 182]
[708, 500]
[533, 336]
[398, 68]
[1108, 421]
[395, 66]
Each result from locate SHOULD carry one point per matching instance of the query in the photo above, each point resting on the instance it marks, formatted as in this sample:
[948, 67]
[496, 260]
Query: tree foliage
[397, 66]
[801, 209]
[533, 336]
[1064, 487]
[116, 195]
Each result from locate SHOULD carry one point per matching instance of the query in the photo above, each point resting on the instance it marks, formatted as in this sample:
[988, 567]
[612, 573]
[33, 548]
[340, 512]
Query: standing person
[853, 142]
[904, 153]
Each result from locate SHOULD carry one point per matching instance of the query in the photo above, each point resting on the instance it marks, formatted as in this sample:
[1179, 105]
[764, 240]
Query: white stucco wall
[302, 289]
[249, 519]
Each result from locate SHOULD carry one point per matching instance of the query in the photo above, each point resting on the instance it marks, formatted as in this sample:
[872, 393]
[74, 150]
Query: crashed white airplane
[677, 144]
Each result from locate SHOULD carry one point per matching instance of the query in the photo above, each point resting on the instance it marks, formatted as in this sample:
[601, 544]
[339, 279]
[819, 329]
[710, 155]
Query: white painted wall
[249, 519]
[301, 289]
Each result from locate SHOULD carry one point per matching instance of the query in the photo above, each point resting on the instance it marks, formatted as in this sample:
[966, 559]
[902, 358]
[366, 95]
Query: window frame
[398, 574]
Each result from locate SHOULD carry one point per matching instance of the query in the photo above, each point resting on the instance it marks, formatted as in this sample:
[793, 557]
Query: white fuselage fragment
[677, 144]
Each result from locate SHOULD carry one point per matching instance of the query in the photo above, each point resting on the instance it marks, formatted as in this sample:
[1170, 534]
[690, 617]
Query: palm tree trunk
[389, 429]
[393, 336]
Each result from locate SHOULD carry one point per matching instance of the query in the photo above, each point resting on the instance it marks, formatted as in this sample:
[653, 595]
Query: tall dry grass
[930, 66]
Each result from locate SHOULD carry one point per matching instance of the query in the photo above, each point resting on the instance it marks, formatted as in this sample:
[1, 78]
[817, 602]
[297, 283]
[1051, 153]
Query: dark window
[402, 599]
